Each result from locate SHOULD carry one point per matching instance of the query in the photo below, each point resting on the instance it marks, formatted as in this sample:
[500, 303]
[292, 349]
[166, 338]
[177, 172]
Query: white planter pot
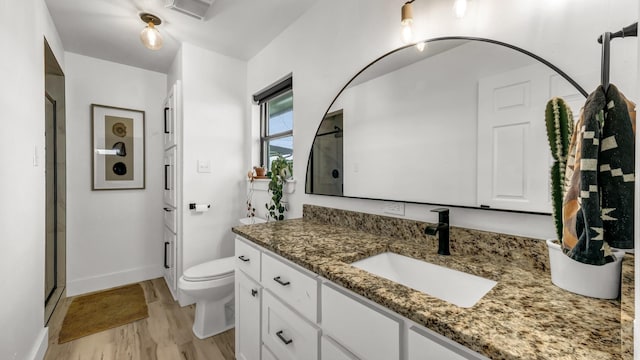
[602, 282]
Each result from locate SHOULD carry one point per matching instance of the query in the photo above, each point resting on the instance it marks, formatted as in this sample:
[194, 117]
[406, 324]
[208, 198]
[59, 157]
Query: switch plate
[394, 208]
[204, 166]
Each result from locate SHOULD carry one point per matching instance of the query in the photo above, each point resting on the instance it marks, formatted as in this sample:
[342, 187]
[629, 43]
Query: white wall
[323, 55]
[214, 124]
[23, 27]
[114, 237]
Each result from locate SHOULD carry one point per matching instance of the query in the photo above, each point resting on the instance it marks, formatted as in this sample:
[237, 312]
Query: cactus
[559, 121]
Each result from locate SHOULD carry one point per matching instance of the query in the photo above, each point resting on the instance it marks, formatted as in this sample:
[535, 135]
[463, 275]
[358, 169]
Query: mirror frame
[468, 38]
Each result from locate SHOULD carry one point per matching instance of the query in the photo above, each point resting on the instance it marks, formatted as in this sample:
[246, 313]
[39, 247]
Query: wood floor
[165, 334]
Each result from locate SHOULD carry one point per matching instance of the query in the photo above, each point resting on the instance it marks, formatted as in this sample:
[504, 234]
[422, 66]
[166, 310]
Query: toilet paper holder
[192, 206]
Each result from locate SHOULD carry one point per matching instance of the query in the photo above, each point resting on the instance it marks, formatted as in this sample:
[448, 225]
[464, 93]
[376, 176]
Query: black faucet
[442, 228]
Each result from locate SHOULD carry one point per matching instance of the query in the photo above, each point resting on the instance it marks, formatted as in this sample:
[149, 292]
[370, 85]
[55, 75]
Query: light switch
[204, 166]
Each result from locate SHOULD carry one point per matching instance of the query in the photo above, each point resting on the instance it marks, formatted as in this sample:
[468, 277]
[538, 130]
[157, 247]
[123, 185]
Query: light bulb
[460, 8]
[406, 21]
[150, 37]
[420, 46]
[407, 32]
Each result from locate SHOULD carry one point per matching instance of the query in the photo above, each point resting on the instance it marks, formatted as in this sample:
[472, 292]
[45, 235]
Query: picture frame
[118, 146]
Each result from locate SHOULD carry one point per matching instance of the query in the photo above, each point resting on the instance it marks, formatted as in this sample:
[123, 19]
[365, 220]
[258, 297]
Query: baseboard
[106, 281]
[40, 346]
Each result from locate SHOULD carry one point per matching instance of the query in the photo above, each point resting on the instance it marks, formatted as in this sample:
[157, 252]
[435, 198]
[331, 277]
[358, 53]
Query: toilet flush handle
[254, 292]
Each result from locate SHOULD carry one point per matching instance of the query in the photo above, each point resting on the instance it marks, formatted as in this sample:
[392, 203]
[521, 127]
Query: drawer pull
[254, 292]
[167, 209]
[243, 258]
[283, 283]
[284, 340]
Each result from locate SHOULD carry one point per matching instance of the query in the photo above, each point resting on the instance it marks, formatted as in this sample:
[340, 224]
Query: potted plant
[260, 171]
[281, 170]
[599, 281]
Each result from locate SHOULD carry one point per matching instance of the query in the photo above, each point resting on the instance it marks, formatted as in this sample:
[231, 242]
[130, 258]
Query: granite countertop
[523, 317]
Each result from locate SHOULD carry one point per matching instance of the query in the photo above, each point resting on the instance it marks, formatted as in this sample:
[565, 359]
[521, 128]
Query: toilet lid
[210, 270]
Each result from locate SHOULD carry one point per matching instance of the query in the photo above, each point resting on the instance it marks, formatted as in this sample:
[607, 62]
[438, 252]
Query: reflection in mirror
[461, 124]
[326, 170]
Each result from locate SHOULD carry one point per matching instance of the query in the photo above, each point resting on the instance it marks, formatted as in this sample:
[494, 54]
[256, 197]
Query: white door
[513, 154]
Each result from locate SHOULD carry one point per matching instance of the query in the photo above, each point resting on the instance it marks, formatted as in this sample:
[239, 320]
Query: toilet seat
[211, 270]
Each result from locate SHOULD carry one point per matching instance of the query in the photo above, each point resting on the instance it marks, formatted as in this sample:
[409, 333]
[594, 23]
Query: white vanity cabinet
[285, 312]
[280, 321]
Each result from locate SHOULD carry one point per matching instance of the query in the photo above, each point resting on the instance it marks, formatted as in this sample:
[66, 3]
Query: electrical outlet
[394, 208]
[204, 166]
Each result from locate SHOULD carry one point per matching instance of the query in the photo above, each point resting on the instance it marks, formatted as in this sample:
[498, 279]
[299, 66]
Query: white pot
[602, 282]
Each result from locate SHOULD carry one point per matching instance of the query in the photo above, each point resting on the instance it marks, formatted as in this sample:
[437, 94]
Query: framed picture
[118, 148]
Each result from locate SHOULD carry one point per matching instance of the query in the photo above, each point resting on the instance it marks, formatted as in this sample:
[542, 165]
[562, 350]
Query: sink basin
[456, 287]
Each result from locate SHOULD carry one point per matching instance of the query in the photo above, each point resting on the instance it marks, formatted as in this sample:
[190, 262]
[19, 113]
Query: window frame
[262, 98]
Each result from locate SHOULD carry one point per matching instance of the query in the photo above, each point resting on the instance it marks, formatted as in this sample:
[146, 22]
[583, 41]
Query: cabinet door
[248, 294]
[168, 127]
[169, 259]
[169, 191]
[171, 113]
[424, 344]
[286, 333]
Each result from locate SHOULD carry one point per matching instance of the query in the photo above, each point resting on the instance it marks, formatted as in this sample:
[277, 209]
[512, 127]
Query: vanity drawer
[285, 333]
[364, 331]
[297, 289]
[247, 259]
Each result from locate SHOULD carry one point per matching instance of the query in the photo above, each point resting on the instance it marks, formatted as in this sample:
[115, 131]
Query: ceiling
[110, 29]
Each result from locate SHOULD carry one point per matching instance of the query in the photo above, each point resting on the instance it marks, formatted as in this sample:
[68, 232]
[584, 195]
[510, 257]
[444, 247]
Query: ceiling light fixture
[150, 36]
[407, 22]
[460, 8]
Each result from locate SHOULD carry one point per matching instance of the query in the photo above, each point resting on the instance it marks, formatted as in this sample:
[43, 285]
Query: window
[276, 121]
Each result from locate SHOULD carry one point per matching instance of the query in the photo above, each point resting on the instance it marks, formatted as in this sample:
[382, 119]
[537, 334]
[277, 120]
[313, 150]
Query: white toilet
[210, 284]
